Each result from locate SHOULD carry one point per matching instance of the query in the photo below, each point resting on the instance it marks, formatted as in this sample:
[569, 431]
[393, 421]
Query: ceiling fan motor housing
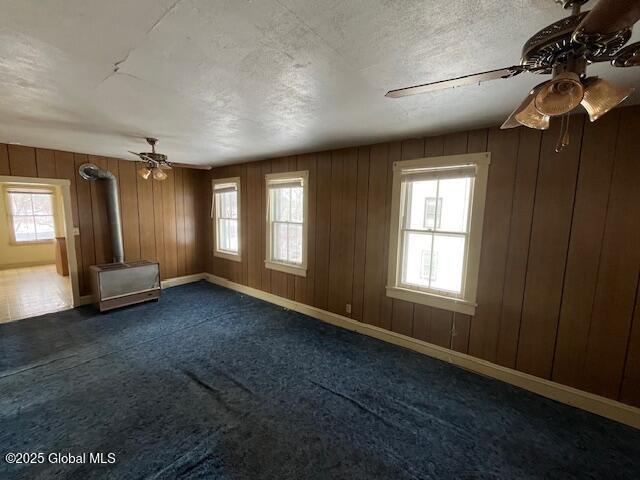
[156, 157]
[570, 4]
[555, 42]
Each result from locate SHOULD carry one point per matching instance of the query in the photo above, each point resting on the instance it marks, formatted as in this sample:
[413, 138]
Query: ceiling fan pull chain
[563, 141]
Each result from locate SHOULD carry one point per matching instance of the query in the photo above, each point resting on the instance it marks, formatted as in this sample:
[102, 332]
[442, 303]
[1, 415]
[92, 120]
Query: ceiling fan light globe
[510, 122]
[531, 118]
[158, 174]
[601, 96]
[144, 172]
[560, 95]
[526, 114]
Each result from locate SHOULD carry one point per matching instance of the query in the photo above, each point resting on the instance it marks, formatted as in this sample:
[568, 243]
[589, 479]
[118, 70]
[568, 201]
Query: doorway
[38, 268]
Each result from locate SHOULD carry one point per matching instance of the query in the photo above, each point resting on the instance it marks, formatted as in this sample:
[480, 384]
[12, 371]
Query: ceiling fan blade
[189, 165]
[144, 158]
[474, 79]
[610, 16]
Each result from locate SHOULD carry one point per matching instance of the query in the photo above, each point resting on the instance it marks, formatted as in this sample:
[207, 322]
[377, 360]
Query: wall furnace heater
[118, 284]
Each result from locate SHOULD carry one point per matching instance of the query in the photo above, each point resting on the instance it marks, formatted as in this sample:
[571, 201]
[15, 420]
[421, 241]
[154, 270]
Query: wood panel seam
[524, 286]
[568, 246]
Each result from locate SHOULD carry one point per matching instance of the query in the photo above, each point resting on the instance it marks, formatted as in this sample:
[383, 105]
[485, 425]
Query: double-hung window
[436, 229]
[286, 242]
[32, 215]
[226, 214]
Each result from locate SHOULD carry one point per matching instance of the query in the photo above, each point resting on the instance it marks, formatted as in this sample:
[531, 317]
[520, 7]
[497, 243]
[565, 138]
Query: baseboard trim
[174, 282]
[12, 266]
[602, 406]
[85, 300]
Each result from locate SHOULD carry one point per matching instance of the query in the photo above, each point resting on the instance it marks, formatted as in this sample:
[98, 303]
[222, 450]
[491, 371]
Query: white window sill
[283, 267]
[229, 256]
[437, 301]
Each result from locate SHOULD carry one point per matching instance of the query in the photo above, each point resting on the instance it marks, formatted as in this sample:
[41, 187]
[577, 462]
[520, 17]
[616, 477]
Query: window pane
[45, 228]
[432, 212]
[228, 235]
[223, 234]
[233, 235]
[24, 229]
[42, 204]
[223, 208]
[297, 205]
[280, 241]
[429, 265]
[21, 203]
[228, 204]
[232, 204]
[454, 197]
[417, 195]
[295, 243]
[448, 269]
[282, 204]
[412, 266]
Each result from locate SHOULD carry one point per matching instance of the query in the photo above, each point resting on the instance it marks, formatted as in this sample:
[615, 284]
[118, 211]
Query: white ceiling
[221, 81]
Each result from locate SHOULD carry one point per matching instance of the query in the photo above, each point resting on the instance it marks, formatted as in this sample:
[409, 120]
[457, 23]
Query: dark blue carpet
[208, 383]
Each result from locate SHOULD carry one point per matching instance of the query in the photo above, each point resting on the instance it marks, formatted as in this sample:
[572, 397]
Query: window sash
[274, 246]
[406, 194]
[222, 197]
[221, 239]
[403, 265]
[31, 217]
[406, 186]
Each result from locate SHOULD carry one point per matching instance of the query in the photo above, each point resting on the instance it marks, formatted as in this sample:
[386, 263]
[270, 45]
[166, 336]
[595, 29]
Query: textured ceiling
[221, 81]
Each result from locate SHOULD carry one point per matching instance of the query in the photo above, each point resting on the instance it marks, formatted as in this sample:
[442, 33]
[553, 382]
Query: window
[287, 222]
[436, 229]
[226, 214]
[32, 215]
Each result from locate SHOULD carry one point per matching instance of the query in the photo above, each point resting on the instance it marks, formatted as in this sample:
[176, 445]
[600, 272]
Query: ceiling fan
[153, 163]
[564, 49]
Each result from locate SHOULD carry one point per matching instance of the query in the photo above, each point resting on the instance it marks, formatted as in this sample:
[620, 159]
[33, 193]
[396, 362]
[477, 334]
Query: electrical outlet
[347, 308]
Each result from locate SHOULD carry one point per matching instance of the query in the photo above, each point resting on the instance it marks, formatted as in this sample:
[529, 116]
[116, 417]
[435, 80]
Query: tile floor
[31, 291]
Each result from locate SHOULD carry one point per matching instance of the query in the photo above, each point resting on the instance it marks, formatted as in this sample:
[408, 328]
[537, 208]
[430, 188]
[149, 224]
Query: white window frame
[466, 302]
[229, 255]
[269, 262]
[8, 190]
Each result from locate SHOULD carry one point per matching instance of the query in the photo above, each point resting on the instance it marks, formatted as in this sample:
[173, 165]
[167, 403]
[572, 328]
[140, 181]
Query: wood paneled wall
[560, 259]
[161, 221]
